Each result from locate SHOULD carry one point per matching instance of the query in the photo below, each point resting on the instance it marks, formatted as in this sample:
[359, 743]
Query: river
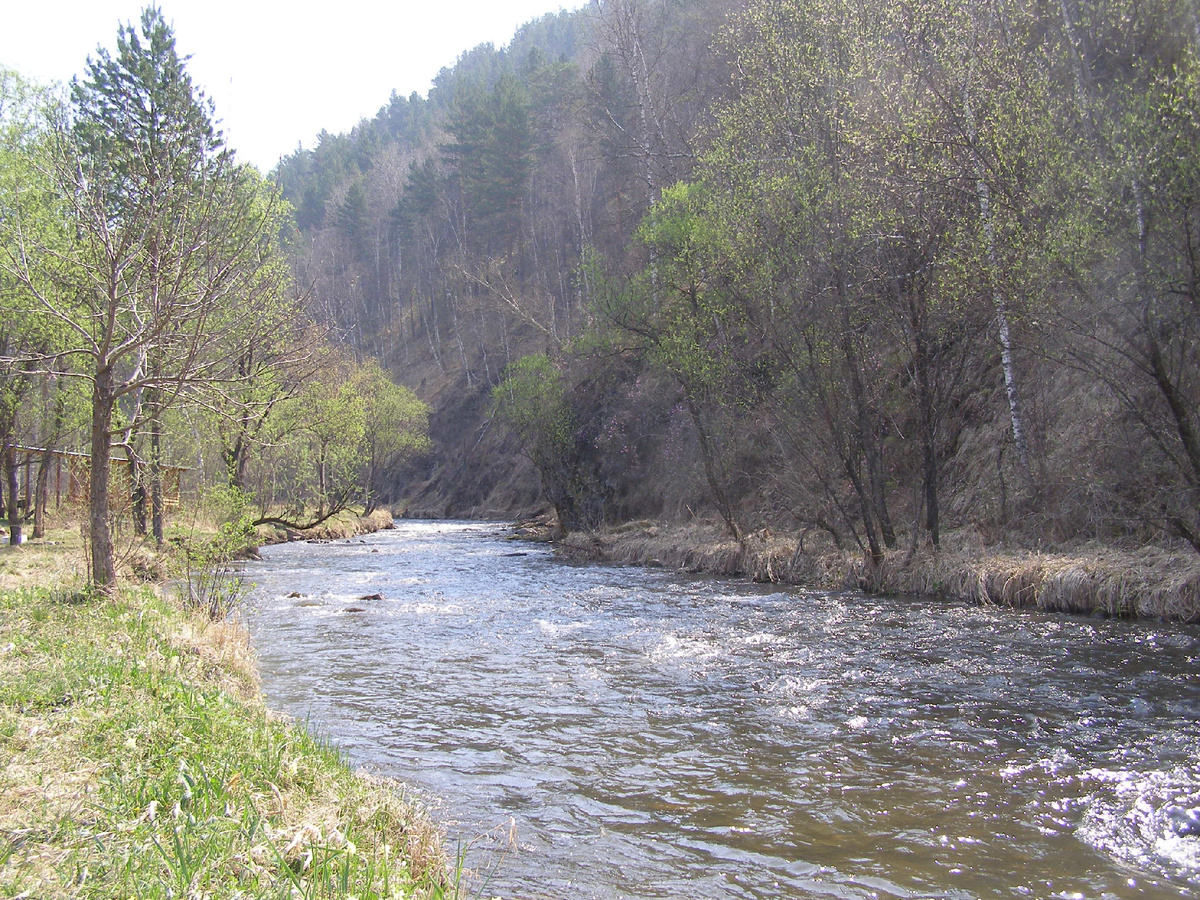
[587, 731]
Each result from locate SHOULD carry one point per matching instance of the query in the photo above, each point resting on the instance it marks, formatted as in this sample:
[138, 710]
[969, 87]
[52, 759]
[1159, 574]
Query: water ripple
[601, 732]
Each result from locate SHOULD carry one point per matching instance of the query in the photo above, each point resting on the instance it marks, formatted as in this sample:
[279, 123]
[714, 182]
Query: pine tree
[171, 239]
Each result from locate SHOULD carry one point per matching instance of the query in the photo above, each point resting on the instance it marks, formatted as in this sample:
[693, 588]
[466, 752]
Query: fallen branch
[298, 526]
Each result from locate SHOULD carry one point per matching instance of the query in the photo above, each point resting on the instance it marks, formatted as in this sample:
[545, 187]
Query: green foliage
[690, 317]
[1138, 123]
[853, 236]
[395, 427]
[139, 120]
[531, 400]
[333, 442]
[175, 780]
[492, 155]
[32, 215]
[321, 430]
[170, 247]
[206, 566]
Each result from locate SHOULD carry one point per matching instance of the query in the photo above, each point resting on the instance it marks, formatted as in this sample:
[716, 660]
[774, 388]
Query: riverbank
[1149, 583]
[137, 759]
[344, 525]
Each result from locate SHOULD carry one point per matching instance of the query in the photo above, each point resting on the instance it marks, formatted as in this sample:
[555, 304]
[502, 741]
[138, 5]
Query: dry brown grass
[1151, 583]
[59, 558]
[1148, 583]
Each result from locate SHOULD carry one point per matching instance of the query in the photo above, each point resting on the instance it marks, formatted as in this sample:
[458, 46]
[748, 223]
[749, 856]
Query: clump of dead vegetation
[1150, 582]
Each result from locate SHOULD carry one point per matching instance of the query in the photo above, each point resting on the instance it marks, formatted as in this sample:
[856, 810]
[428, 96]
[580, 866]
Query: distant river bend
[641, 734]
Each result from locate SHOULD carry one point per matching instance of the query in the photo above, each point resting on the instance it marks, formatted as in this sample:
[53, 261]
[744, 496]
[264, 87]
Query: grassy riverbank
[137, 760]
[1145, 583]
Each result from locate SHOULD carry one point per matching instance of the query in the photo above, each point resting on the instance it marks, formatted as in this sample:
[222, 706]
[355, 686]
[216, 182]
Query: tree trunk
[41, 495]
[321, 480]
[874, 457]
[236, 457]
[51, 459]
[983, 196]
[156, 482]
[928, 444]
[11, 466]
[876, 519]
[371, 500]
[927, 405]
[866, 510]
[137, 495]
[103, 564]
[1182, 412]
[715, 482]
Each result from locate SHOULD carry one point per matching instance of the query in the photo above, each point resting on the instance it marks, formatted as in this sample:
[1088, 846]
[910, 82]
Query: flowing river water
[597, 732]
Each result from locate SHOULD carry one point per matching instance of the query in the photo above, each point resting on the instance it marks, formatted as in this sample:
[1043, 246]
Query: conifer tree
[170, 238]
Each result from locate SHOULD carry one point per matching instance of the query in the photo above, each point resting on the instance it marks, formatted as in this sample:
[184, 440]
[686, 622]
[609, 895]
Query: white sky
[279, 72]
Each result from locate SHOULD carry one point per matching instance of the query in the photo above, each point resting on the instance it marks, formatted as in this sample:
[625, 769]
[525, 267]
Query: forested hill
[857, 267]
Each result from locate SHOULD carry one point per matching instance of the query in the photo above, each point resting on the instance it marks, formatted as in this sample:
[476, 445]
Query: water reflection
[654, 736]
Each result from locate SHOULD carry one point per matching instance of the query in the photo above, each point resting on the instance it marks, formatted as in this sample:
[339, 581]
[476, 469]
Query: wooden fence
[68, 478]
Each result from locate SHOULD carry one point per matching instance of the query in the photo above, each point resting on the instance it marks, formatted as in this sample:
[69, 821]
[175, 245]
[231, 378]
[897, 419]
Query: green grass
[136, 761]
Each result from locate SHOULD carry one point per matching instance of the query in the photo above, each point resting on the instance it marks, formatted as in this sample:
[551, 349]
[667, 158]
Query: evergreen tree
[492, 154]
[170, 243]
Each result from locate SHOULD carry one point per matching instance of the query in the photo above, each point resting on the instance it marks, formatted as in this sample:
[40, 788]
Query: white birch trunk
[999, 301]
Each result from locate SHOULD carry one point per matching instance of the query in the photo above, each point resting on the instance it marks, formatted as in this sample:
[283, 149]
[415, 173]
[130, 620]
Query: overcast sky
[279, 72]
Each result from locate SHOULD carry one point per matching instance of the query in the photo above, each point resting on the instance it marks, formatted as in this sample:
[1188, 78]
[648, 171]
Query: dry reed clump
[1150, 583]
[696, 547]
[707, 547]
[312, 813]
[382, 806]
[45, 780]
[220, 653]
